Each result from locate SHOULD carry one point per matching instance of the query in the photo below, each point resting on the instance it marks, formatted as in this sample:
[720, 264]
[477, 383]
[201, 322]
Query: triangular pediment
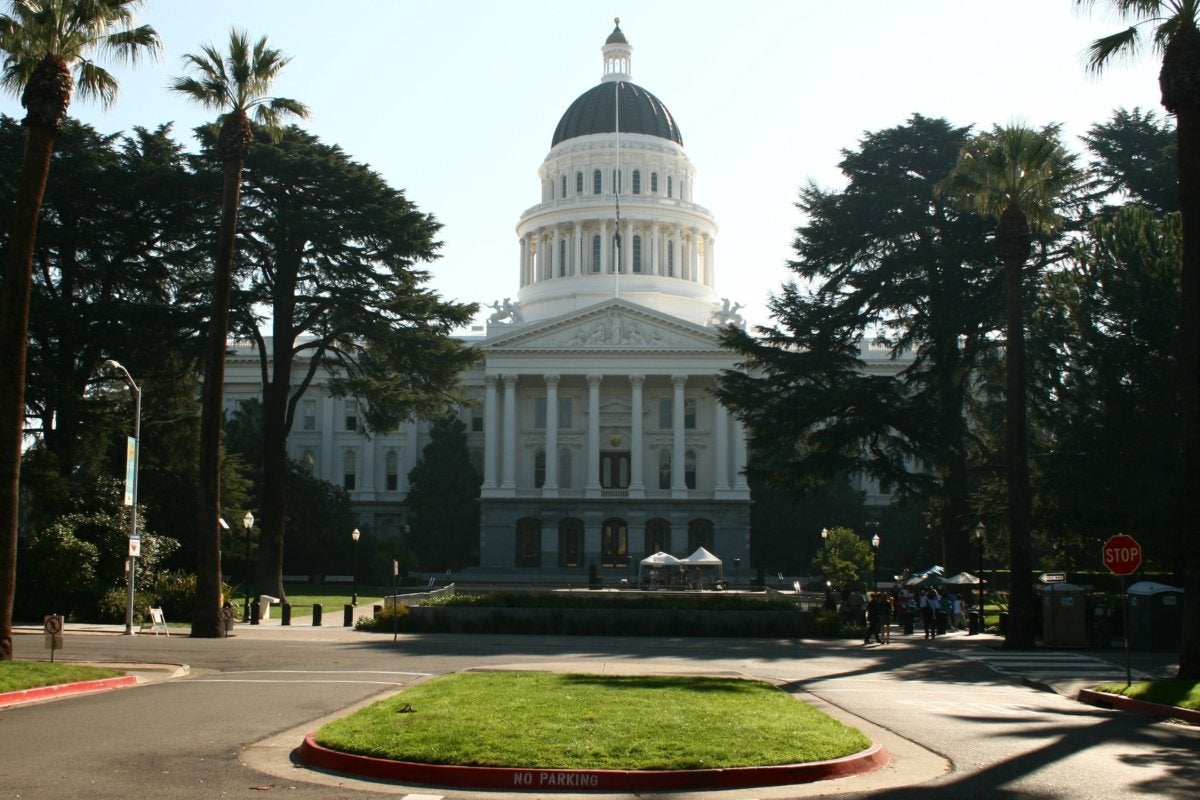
[614, 325]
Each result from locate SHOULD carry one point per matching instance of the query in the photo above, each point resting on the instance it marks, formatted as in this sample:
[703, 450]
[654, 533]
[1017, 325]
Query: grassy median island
[16, 676]
[543, 720]
[1168, 692]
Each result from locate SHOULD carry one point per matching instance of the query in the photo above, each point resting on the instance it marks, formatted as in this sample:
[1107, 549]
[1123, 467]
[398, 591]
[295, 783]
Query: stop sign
[1122, 554]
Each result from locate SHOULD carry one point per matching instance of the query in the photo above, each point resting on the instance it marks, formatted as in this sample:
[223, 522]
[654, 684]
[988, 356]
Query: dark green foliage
[1134, 158]
[443, 499]
[320, 521]
[786, 527]
[883, 262]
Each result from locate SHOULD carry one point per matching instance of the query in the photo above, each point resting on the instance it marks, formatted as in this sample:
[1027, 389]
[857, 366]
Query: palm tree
[1172, 28]
[236, 83]
[42, 41]
[1016, 175]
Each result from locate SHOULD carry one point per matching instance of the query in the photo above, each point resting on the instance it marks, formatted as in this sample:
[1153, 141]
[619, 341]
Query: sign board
[135, 546]
[1122, 554]
[1053, 577]
[52, 626]
[131, 456]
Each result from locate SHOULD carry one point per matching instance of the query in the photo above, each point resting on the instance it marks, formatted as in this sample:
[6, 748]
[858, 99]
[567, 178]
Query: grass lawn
[593, 722]
[16, 676]
[1172, 692]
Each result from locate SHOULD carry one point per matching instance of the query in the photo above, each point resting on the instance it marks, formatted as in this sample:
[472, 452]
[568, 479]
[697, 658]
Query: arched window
[658, 536]
[669, 194]
[578, 183]
[700, 534]
[614, 543]
[664, 468]
[562, 258]
[539, 468]
[391, 471]
[529, 542]
[637, 253]
[653, 183]
[637, 181]
[570, 542]
[689, 469]
[349, 469]
[671, 259]
[596, 182]
[596, 253]
[564, 467]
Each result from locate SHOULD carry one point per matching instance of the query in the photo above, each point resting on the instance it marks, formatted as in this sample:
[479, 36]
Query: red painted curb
[603, 780]
[1104, 699]
[63, 689]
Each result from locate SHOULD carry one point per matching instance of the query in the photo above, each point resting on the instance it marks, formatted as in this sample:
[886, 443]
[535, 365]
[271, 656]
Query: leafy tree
[1171, 26]
[332, 252]
[41, 41]
[236, 84]
[1019, 177]
[1133, 157]
[844, 558]
[885, 261]
[1105, 330]
[443, 499]
[320, 520]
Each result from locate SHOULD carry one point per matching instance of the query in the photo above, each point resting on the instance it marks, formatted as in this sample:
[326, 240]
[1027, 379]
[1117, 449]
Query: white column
[739, 456]
[655, 265]
[637, 455]
[593, 445]
[326, 459]
[550, 487]
[539, 256]
[508, 475]
[576, 249]
[523, 261]
[710, 261]
[721, 447]
[368, 471]
[678, 486]
[489, 432]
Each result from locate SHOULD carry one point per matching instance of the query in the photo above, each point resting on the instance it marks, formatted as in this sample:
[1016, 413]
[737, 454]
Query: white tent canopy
[660, 559]
[964, 578]
[701, 558]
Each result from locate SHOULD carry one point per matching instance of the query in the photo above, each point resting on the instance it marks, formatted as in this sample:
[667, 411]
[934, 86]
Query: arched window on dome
[637, 181]
[562, 258]
[669, 185]
[637, 251]
[596, 253]
[578, 183]
[671, 259]
[564, 186]
[653, 183]
[596, 182]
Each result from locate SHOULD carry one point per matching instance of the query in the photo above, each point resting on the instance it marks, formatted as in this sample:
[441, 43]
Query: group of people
[938, 613]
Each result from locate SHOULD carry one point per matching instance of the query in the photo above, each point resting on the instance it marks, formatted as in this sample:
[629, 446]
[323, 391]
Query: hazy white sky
[455, 101]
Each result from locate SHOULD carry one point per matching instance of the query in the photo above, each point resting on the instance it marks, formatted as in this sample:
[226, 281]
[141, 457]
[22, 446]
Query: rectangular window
[666, 408]
[351, 415]
[564, 413]
[391, 464]
[539, 413]
[614, 544]
[539, 468]
[637, 254]
[349, 470]
[689, 413]
[476, 422]
[529, 543]
[309, 416]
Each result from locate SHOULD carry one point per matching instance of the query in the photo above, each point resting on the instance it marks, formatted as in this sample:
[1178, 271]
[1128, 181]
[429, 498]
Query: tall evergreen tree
[42, 40]
[885, 261]
[235, 83]
[1173, 29]
[333, 252]
[443, 499]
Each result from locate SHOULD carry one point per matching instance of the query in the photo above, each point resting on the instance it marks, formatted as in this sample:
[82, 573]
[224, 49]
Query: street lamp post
[134, 538]
[980, 531]
[354, 534]
[875, 562]
[248, 523]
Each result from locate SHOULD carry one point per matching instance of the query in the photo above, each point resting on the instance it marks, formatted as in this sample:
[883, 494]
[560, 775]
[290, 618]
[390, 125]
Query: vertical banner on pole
[131, 445]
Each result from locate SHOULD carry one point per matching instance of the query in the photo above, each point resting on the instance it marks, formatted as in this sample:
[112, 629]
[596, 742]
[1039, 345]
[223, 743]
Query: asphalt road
[956, 728]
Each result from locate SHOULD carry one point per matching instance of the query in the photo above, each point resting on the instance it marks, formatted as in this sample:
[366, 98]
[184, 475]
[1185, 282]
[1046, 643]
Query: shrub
[388, 619]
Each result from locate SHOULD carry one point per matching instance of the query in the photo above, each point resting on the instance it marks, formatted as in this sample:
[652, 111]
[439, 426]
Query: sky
[455, 101]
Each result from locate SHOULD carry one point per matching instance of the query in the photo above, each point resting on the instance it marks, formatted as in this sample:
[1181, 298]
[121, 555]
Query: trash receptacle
[973, 623]
[1155, 616]
[1064, 615]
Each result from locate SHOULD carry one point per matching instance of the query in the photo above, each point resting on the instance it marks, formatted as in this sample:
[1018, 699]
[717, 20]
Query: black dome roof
[594, 112]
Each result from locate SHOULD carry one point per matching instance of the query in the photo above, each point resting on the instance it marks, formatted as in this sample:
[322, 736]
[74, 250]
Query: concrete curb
[65, 689]
[511, 778]
[1106, 700]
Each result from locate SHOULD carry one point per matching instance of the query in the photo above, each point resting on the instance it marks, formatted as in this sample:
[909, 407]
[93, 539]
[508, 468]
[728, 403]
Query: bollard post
[376, 611]
[348, 615]
[316, 614]
[285, 614]
[255, 611]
